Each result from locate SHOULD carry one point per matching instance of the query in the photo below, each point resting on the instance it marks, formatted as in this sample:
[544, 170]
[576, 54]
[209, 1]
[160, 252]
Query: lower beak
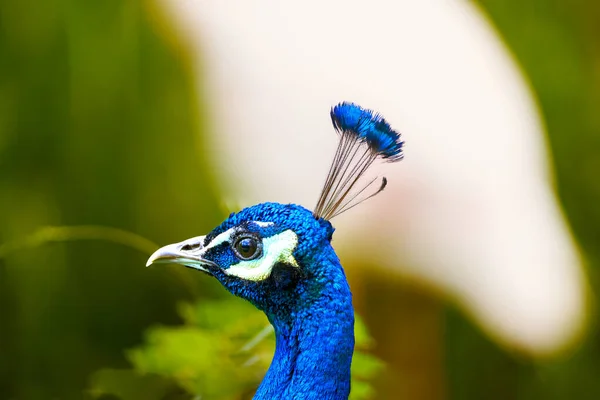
[188, 253]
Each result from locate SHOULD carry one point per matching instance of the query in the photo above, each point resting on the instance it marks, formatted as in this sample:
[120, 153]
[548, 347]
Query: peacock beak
[188, 253]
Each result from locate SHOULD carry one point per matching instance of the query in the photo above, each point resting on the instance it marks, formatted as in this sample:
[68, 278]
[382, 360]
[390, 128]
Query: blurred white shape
[470, 210]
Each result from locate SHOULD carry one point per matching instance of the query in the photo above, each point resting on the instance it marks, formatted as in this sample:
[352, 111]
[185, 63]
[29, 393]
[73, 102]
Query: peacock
[280, 258]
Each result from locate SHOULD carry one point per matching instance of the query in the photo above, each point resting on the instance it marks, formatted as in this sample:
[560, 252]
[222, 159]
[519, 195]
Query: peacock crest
[365, 136]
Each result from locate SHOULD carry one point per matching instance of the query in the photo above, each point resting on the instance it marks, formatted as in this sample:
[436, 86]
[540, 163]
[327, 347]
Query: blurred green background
[99, 128]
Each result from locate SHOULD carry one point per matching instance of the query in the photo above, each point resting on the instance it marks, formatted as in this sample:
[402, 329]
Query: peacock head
[277, 254]
[262, 253]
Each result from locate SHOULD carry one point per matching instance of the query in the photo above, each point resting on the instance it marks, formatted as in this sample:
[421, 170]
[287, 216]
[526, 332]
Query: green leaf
[362, 338]
[365, 366]
[361, 391]
[221, 352]
[199, 360]
[127, 384]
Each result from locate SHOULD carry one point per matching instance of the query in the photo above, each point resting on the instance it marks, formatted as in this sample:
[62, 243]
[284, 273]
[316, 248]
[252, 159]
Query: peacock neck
[314, 341]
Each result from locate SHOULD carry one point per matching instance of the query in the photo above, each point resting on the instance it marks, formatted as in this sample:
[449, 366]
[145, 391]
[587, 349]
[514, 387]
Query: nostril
[190, 247]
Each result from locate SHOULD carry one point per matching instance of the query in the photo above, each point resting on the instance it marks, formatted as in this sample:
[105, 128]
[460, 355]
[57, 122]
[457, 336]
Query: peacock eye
[247, 247]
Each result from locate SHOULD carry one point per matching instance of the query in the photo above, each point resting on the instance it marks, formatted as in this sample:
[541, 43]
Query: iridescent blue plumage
[310, 307]
[279, 257]
[369, 126]
[305, 294]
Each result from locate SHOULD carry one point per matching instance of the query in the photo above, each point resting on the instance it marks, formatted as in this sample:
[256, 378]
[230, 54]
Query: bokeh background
[102, 154]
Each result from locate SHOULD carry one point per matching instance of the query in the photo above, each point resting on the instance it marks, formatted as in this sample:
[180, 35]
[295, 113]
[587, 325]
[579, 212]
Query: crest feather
[364, 137]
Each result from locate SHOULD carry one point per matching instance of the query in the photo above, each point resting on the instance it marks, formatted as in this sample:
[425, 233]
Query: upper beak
[188, 253]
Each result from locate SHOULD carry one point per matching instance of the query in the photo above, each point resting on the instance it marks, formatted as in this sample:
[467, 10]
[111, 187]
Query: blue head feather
[364, 137]
[368, 126]
[309, 304]
[313, 235]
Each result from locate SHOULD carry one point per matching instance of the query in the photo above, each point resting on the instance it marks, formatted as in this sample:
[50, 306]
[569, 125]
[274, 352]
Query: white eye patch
[276, 249]
[226, 236]
[220, 239]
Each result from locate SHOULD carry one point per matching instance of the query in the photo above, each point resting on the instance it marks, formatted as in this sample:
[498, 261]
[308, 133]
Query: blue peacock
[279, 257]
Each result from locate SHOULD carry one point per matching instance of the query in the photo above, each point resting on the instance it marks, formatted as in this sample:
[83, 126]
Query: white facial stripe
[263, 224]
[277, 248]
[226, 236]
[195, 241]
[219, 239]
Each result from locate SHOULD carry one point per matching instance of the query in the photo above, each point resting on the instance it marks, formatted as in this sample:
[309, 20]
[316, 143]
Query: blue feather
[368, 126]
[365, 136]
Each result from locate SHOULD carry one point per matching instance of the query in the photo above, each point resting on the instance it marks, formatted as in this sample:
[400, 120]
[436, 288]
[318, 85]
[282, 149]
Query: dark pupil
[247, 247]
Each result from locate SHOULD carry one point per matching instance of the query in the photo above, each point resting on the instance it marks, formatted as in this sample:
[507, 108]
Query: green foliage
[365, 366]
[221, 352]
[99, 120]
[128, 384]
[207, 355]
